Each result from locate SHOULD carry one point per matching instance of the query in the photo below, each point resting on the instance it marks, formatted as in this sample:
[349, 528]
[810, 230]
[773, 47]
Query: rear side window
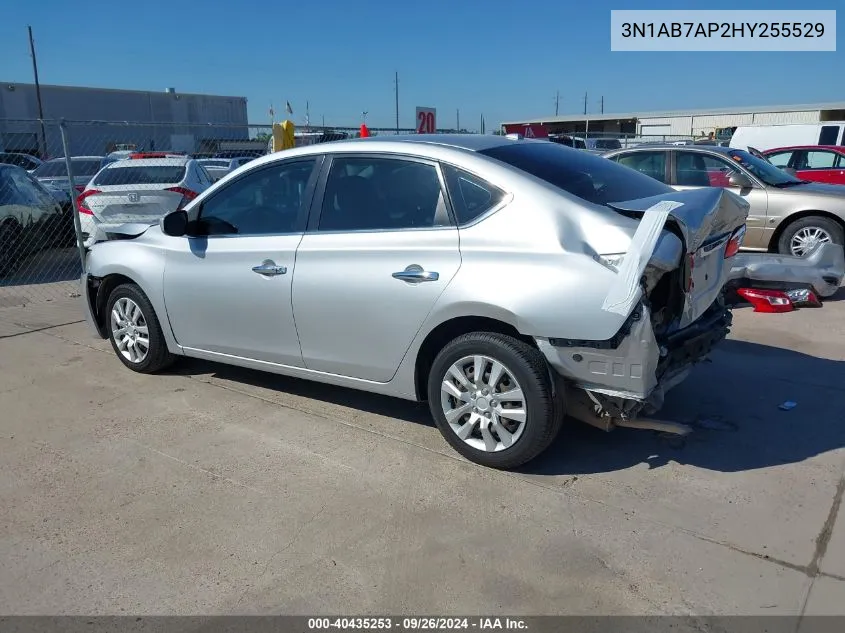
[471, 196]
[829, 135]
[588, 176]
[609, 143]
[652, 164]
[141, 175]
[821, 160]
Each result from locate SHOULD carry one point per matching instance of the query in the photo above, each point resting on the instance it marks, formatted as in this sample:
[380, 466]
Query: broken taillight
[804, 297]
[772, 301]
[735, 243]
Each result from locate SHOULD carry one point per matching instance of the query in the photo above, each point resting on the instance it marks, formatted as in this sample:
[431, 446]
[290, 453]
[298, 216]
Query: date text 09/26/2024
[415, 624]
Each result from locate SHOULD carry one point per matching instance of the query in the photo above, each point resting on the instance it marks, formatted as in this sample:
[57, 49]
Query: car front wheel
[135, 332]
[492, 398]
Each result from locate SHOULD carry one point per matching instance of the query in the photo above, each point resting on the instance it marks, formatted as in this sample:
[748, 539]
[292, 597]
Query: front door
[819, 165]
[227, 287]
[372, 265]
[698, 169]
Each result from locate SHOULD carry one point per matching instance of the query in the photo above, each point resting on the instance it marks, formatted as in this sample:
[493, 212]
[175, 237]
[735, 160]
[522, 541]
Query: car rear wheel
[492, 398]
[135, 332]
[802, 236]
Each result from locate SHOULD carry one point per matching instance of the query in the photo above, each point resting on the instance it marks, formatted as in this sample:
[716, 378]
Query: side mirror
[738, 179]
[175, 224]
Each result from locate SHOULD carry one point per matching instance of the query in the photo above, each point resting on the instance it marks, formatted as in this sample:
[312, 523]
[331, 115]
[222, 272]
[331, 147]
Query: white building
[687, 123]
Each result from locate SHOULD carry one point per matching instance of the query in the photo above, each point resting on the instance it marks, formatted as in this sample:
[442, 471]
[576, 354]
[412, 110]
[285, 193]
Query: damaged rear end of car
[669, 288]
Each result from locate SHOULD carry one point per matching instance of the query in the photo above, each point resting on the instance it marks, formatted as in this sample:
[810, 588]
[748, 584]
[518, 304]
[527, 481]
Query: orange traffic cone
[364, 131]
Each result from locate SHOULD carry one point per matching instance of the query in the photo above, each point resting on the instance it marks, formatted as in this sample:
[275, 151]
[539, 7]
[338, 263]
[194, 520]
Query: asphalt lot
[219, 490]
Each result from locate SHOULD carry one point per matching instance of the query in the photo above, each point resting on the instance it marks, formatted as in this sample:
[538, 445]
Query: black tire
[158, 357]
[10, 247]
[831, 227]
[544, 415]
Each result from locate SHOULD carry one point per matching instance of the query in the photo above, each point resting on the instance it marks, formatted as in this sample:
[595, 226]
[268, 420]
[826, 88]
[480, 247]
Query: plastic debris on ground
[804, 298]
[771, 301]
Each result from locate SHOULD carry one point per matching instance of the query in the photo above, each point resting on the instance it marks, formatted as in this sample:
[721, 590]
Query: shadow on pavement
[732, 403]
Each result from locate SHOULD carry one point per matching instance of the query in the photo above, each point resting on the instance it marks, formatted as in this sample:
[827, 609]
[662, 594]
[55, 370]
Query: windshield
[58, 168]
[590, 177]
[764, 170]
[214, 163]
[141, 175]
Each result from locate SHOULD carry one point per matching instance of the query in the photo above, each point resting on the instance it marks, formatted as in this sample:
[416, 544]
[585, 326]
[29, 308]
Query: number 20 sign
[426, 120]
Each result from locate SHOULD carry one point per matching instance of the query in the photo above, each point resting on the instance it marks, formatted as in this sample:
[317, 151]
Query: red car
[819, 163]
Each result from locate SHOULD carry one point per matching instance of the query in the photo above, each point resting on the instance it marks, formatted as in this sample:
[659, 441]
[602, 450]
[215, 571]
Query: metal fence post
[77, 227]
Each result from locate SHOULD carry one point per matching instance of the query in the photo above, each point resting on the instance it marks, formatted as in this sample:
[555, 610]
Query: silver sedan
[506, 282]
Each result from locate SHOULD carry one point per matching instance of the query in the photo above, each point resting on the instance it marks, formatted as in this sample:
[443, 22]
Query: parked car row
[786, 214]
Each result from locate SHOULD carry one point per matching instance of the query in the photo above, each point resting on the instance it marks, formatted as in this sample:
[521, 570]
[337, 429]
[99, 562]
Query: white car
[137, 191]
[219, 167]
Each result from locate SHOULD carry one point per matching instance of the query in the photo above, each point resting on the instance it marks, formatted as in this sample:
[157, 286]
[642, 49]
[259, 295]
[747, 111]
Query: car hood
[816, 188]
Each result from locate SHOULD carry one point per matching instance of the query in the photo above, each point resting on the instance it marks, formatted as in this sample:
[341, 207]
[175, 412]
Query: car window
[366, 194]
[21, 189]
[819, 160]
[588, 176]
[141, 175]
[580, 144]
[696, 169]
[651, 164]
[608, 144]
[780, 159]
[215, 163]
[267, 201]
[471, 196]
[829, 135]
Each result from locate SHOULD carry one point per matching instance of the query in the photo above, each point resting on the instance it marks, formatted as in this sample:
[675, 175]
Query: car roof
[708, 149]
[397, 144]
[141, 162]
[62, 158]
[832, 148]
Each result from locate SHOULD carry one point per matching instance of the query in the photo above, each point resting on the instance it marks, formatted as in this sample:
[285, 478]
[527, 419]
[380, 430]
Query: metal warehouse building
[165, 120]
[683, 123]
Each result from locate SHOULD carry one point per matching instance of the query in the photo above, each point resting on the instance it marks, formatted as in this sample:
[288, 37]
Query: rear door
[693, 170]
[375, 259]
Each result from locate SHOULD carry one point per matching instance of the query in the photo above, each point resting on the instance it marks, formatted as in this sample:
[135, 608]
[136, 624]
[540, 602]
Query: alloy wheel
[483, 403]
[806, 239]
[129, 330]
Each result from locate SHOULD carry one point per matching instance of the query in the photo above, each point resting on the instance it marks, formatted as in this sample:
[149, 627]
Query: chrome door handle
[415, 274]
[268, 268]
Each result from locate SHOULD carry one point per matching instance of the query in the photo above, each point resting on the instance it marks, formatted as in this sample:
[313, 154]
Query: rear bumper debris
[823, 270]
[611, 387]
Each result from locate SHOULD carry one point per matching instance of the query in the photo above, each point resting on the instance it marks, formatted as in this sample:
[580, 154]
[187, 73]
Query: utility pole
[43, 141]
[557, 103]
[458, 119]
[585, 104]
[602, 105]
[396, 81]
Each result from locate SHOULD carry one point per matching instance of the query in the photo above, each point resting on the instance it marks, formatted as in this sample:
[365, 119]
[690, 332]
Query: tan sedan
[787, 215]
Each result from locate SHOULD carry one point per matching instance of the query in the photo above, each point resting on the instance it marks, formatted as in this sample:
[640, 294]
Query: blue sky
[502, 59]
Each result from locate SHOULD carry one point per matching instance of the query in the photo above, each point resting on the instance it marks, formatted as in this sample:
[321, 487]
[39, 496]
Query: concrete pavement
[213, 489]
